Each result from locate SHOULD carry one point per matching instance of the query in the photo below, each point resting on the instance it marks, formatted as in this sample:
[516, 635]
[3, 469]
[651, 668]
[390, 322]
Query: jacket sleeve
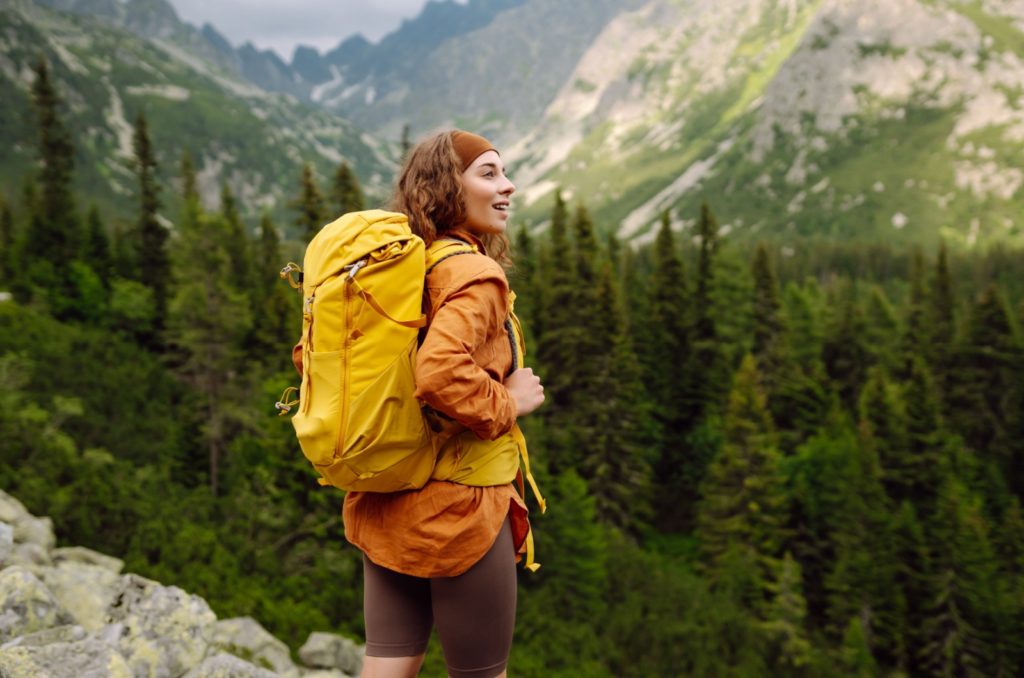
[447, 377]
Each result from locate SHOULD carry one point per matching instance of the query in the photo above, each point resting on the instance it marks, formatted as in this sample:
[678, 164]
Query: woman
[445, 554]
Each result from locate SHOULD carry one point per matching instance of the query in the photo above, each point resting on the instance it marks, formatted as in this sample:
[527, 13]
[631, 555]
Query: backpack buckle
[352, 269]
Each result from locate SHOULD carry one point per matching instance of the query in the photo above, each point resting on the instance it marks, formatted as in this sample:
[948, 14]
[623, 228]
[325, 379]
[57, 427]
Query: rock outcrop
[70, 613]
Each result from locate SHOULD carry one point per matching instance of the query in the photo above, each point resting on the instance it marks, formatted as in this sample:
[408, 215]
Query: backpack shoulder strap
[443, 248]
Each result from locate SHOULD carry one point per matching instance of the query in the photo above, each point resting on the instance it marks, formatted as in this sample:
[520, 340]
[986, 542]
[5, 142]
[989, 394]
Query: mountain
[105, 76]
[856, 119]
[495, 70]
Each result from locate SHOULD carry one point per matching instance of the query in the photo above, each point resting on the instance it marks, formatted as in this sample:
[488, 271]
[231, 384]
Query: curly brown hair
[429, 192]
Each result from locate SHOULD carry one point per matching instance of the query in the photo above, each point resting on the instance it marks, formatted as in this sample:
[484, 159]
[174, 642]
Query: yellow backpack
[356, 418]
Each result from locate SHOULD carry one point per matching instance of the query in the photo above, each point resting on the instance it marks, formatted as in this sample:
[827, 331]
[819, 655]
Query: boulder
[224, 665]
[6, 543]
[85, 591]
[80, 554]
[27, 528]
[330, 651]
[245, 638]
[69, 633]
[82, 659]
[32, 530]
[160, 630]
[11, 510]
[31, 555]
[26, 605]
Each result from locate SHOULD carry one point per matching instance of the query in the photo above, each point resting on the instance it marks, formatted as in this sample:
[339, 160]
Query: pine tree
[863, 580]
[768, 324]
[523, 280]
[915, 579]
[96, 252]
[983, 383]
[943, 324]
[845, 352]
[151, 238]
[559, 343]
[743, 503]
[706, 373]
[921, 470]
[613, 419]
[54, 236]
[346, 193]
[208, 319]
[406, 142]
[276, 325]
[7, 240]
[239, 247]
[916, 340]
[958, 631]
[309, 205]
[855, 657]
[881, 332]
[791, 650]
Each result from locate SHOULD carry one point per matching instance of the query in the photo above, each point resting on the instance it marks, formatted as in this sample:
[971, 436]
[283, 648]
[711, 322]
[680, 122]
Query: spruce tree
[523, 280]
[207, 321]
[943, 324]
[882, 332]
[96, 252]
[613, 418]
[743, 503]
[915, 579]
[915, 341]
[309, 204]
[54, 236]
[768, 324]
[277, 323]
[239, 246]
[151, 239]
[706, 375]
[790, 648]
[984, 383]
[845, 352]
[7, 240]
[958, 631]
[345, 192]
[863, 580]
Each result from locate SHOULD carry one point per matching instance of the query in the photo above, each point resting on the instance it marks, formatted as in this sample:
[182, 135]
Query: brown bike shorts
[475, 612]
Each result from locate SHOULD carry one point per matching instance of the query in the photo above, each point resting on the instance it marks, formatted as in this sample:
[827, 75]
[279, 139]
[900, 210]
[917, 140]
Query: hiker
[445, 554]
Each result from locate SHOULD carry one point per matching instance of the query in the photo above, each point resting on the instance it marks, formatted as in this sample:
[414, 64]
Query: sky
[281, 25]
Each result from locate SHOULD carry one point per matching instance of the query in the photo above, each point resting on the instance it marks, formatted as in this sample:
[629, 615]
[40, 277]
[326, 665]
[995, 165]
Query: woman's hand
[524, 387]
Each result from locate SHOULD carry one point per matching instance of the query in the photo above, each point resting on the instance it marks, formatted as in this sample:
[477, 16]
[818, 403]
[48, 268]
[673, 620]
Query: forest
[760, 458]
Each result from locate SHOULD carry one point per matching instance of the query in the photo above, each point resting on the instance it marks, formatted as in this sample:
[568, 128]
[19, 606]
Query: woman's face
[486, 191]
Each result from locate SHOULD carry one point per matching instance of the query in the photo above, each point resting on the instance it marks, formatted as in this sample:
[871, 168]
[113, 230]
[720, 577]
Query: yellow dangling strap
[524, 456]
[369, 299]
[284, 405]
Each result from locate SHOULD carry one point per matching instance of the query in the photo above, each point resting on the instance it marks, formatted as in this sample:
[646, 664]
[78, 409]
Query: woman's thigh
[475, 613]
[397, 611]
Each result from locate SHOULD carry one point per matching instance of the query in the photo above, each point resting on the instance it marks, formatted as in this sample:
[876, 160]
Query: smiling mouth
[501, 207]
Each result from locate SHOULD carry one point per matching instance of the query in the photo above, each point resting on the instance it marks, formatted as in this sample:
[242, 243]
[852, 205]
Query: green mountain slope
[235, 132]
[896, 119]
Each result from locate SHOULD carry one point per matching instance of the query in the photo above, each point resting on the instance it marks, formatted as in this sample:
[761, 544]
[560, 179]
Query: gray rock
[27, 528]
[30, 555]
[85, 591]
[224, 665]
[80, 554]
[83, 659]
[69, 633]
[11, 510]
[160, 630]
[32, 530]
[6, 542]
[330, 651]
[245, 638]
[26, 605]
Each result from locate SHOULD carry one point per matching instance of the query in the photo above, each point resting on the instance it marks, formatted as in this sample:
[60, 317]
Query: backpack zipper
[343, 425]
